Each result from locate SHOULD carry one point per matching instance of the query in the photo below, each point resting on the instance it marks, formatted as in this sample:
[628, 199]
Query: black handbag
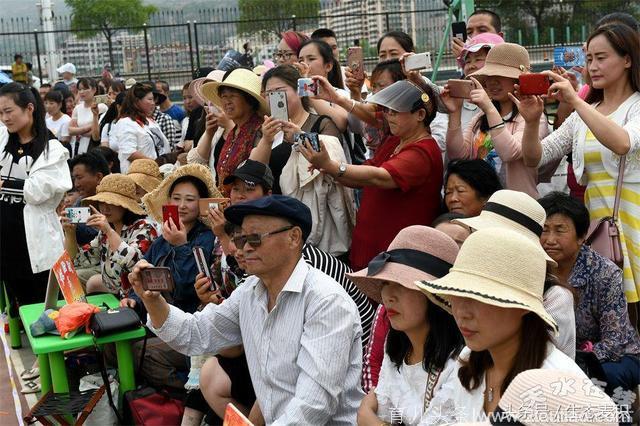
[114, 321]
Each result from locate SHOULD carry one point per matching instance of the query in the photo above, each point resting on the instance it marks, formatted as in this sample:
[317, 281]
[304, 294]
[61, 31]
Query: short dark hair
[203, 191]
[477, 173]
[88, 83]
[110, 155]
[394, 68]
[403, 39]
[561, 203]
[54, 96]
[45, 85]
[17, 56]
[446, 218]
[323, 33]
[495, 19]
[93, 161]
[619, 18]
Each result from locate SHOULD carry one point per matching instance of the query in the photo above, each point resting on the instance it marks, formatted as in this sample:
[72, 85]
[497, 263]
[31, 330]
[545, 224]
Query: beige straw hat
[505, 60]
[154, 200]
[562, 398]
[240, 79]
[145, 173]
[511, 210]
[416, 253]
[196, 85]
[498, 267]
[118, 190]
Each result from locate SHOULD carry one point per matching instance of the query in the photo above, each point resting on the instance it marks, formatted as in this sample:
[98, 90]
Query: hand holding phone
[355, 62]
[78, 214]
[460, 88]
[311, 138]
[418, 61]
[203, 268]
[278, 105]
[459, 30]
[205, 204]
[307, 87]
[170, 211]
[533, 84]
[157, 279]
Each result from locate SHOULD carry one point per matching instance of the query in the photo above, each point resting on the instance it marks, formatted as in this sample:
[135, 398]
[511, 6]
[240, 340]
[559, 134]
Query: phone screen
[459, 30]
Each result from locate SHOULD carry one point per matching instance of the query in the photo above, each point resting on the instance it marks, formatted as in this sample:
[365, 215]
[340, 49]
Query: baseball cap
[68, 67]
[282, 206]
[252, 173]
[401, 96]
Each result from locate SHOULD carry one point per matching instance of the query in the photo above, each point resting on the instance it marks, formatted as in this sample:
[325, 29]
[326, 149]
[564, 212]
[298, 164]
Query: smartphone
[568, 57]
[211, 203]
[171, 211]
[211, 107]
[534, 84]
[460, 88]
[203, 268]
[355, 61]
[459, 30]
[278, 105]
[101, 99]
[311, 138]
[307, 87]
[418, 61]
[78, 214]
[157, 279]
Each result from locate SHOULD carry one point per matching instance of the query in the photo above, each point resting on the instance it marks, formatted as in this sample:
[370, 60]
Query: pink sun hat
[482, 40]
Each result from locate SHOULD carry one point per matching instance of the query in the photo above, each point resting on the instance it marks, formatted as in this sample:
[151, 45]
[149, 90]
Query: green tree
[274, 16]
[90, 17]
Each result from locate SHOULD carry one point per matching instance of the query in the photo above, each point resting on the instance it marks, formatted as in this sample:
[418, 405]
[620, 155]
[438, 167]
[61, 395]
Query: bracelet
[497, 126]
[353, 105]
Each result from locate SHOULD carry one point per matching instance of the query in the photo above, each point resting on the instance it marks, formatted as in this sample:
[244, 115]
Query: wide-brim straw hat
[154, 200]
[505, 60]
[118, 190]
[145, 173]
[498, 267]
[416, 253]
[196, 85]
[512, 210]
[240, 79]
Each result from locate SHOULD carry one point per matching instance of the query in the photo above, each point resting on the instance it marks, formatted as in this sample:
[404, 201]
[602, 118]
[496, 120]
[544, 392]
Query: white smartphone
[78, 214]
[419, 61]
[278, 105]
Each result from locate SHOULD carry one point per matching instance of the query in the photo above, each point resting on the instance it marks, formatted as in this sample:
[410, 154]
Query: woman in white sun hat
[495, 292]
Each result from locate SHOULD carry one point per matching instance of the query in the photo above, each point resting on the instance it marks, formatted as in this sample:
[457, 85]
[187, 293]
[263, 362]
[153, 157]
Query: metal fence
[174, 43]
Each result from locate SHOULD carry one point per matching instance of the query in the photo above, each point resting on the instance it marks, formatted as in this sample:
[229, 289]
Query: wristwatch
[342, 169]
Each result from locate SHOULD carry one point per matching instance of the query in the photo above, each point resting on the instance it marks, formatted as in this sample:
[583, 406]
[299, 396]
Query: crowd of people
[384, 254]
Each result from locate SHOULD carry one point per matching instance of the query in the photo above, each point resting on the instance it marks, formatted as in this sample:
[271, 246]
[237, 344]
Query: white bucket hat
[68, 67]
[498, 267]
[513, 210]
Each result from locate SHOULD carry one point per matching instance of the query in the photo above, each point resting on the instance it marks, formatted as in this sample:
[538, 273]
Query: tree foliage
[274, 16]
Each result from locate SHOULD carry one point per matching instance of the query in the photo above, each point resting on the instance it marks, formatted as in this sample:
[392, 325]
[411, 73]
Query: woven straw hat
[416, 253]
[499, 267]
[240, 79]
[562, 398]
[196, 85]
[512, 210]
[505, 60]
[118, 190]
[154, 200]
[145, 173]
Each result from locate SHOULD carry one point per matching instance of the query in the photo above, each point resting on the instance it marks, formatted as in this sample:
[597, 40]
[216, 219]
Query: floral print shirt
[601, 314]
[115, 265]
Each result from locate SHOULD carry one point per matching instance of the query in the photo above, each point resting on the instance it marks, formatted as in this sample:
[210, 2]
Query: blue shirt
[176, 113]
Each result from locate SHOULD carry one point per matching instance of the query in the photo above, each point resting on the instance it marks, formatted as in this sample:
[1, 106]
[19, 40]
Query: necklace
[20, 151]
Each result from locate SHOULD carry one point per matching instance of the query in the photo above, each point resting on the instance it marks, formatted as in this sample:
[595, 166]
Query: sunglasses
[255, 240]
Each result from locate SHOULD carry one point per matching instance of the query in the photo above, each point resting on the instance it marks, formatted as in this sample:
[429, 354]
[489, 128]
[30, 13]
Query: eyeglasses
[286, 55]
[255, 240]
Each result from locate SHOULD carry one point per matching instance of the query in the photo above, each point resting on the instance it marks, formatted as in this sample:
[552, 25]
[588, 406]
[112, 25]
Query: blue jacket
[182, 263]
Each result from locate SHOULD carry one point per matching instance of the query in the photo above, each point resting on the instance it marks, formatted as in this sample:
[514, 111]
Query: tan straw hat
[512, 210]
[416, 253]
[499, 267]
[145, 173]
[505, 60]
[541, 397]
[240, 79]
[196, 85]
[154, 200]
[117, 190]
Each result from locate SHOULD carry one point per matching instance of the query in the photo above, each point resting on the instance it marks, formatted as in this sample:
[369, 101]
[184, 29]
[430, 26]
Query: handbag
[150, 407]
[114, 321]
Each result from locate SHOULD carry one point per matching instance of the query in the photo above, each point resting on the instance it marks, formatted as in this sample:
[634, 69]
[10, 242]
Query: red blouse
[417, 170]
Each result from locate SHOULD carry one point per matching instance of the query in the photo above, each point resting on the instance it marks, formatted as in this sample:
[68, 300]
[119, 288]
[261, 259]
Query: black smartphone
[459, 29]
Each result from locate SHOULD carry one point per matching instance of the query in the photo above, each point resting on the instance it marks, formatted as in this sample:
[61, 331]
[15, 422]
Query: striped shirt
[304, 356]
[337, 270]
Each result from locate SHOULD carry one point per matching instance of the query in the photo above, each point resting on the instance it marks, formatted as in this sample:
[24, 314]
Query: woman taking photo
[34, 177]
[495, 135]
[124, 235]
[495, 291]
[422, 344]
[603, 129]
[137, 135]
[85, 116]
[238, 95]
[402, 182]
[468, 186]
[57, 121]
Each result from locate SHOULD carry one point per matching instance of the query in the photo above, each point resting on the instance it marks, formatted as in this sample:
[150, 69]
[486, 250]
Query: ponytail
[22, 96]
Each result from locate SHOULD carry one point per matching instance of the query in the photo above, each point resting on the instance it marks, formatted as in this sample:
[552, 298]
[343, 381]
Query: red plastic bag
[73, 316]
